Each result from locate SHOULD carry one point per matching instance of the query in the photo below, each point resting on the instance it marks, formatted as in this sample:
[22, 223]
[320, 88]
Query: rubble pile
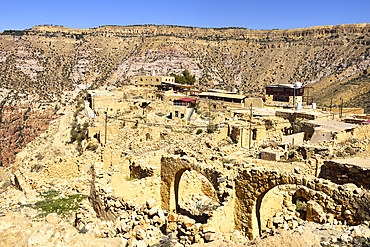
[199, 205]
[146, 223]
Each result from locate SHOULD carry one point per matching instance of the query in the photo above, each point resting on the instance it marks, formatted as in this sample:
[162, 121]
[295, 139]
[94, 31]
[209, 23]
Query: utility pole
[331, 103]
[209, 111]
[250, 130]
[106, 121]
[146, 102]
[83, 72]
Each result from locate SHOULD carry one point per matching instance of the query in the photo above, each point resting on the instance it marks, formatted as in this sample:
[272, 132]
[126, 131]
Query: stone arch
[171, 171]
[253, 184]
[257, 222]
[175, 187]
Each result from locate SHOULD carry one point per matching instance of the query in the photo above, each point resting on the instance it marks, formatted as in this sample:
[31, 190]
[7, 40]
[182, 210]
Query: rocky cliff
[53, 59]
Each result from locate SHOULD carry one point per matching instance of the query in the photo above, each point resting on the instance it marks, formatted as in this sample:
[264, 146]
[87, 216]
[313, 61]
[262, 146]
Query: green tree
[185, 78]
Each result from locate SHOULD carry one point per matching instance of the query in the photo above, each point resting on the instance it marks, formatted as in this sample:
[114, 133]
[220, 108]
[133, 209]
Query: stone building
[106, 100]
[184, 107]
[284, 94]
[153, 81]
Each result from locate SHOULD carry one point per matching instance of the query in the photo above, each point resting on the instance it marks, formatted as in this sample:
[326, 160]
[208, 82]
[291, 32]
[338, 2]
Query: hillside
[49, 60]
[49, 65]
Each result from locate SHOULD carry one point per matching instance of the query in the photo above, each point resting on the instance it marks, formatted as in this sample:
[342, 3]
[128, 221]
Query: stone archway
[171, 171]
[175, 187]
[275, 203]
[252, 184]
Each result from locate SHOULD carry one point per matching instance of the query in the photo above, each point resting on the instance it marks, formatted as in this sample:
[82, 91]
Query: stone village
[164, 162]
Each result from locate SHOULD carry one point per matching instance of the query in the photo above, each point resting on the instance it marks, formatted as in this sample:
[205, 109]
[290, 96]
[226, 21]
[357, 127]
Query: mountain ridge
[225, 57]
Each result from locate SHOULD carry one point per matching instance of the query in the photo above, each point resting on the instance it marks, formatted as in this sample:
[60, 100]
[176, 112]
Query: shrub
[211, 128]
[199, 131]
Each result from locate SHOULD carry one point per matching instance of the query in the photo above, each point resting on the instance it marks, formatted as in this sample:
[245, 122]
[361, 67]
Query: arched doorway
[276, 208]
[194, 195]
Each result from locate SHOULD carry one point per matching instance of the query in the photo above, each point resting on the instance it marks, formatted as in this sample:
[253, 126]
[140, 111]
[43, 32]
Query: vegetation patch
[64, 206]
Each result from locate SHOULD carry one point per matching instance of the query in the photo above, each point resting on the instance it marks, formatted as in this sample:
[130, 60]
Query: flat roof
[282, 85]
[333, 125]
[363, 162]
[223, 95]
[178, 84]
[103, 93]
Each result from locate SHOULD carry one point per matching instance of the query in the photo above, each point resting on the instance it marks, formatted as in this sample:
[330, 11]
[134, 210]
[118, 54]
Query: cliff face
[20, 125]
[52, 59]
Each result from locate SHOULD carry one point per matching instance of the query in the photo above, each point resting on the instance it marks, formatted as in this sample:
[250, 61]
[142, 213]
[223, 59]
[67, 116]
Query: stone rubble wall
[361, 132]
[342, 173]
[65, 168]
[252, 184]
[146, 223]
[192, 182]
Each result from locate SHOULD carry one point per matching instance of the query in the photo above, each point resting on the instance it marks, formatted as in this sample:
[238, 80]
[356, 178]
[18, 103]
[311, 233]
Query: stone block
[269, 154]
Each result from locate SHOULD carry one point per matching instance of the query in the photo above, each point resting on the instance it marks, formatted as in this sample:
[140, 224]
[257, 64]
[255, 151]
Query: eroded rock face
[19, 125]
[49, 63]
[46, 58]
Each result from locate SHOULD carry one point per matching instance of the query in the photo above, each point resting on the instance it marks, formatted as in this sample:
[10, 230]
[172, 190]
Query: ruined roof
[223, 95]
[334, 126]
[363, 162]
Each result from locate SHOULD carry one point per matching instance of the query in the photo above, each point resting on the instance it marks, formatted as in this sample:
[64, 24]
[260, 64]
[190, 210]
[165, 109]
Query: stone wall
[361, 132]
[347, 171]
[253, 184]
[65, 168]
[172, 168]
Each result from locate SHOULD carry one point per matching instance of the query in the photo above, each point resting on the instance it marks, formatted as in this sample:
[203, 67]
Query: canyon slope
[49, 60]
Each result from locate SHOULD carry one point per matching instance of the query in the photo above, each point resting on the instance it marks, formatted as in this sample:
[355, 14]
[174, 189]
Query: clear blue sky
[256, 14]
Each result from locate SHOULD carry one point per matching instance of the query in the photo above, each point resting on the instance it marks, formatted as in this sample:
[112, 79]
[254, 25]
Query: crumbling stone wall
[195, 183]
[66, 167]
[342, 172]
[360, 132]
[252, 184]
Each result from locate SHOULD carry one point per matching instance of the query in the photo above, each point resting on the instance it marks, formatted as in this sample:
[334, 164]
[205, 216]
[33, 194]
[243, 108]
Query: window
[254, 134]
[176, 114]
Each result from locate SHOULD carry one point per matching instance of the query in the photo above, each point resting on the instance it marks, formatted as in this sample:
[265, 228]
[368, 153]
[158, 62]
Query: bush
[211, 128]
[199, 131]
